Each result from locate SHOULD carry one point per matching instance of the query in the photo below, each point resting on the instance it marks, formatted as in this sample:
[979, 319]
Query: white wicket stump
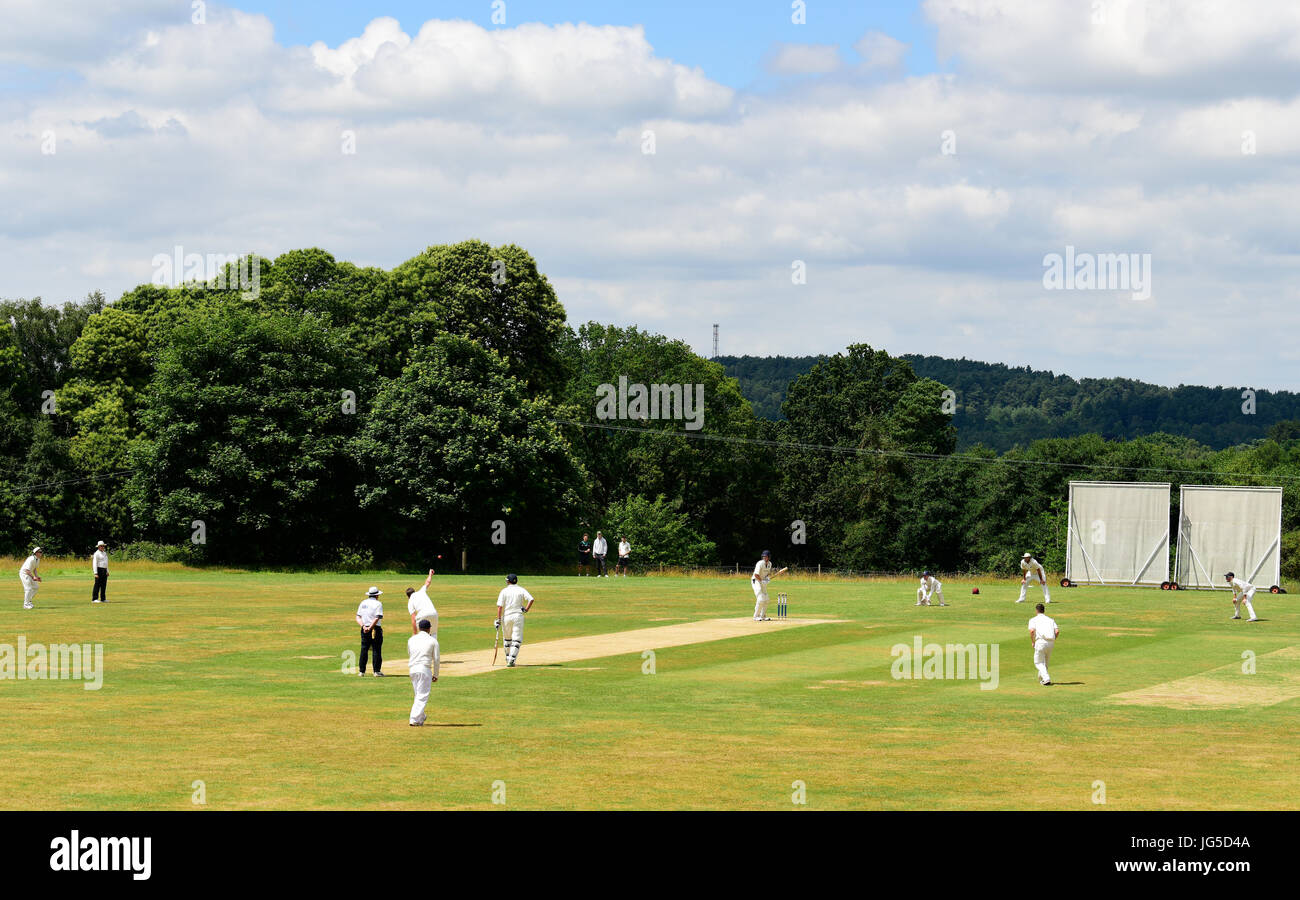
[782, 606]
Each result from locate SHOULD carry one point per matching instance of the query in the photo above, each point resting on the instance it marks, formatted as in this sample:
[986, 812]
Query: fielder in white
[759, 581]
[930, 587]
[1042, 637]
[30, 579]
[420, 606]
[512, 603]
[1242, 592]
[1032, 570]
[423, 661]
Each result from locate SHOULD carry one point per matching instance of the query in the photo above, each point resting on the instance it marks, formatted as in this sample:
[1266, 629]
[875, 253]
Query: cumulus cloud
[921, 206]
[803, 59]
[880, 51]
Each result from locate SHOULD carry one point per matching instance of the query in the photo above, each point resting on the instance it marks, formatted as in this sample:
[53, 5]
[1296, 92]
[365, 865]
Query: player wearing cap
[420, 606]
[99, 568]
[369, 615]
[930, 587]
[1242, 592]
[1032, 570]
[423, 661]
[758, 581]
[512, 603]
[30, 579]
[1042, 637]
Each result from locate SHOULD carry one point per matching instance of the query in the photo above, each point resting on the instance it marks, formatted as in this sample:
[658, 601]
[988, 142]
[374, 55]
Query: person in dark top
[584, 554]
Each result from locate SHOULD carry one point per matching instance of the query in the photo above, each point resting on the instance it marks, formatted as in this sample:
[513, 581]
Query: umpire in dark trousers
[99, 567]
[369, 616]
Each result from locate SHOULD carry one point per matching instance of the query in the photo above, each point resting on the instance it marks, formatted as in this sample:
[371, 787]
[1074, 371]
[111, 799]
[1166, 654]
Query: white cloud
[803, 59]
[880, 51]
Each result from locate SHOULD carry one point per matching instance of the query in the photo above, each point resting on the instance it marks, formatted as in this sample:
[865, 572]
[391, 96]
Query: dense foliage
[349, 416]
[1002, 407]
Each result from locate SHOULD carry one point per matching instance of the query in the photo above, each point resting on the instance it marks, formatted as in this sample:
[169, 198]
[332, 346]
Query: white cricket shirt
[370, 611]
[513, 599]
[624, 548]
[29, 566]
[600, 548]
[422, 651]
[421, 606]
[763, 571]
[99, 560]
[1043, 627]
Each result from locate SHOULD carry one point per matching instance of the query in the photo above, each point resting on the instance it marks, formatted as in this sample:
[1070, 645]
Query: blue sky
[728, 40]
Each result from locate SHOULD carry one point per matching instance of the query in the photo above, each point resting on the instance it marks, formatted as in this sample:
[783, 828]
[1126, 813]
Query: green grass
[207, 680]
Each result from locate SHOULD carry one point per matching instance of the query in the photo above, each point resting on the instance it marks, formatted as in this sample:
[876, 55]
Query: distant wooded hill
[1002, 406]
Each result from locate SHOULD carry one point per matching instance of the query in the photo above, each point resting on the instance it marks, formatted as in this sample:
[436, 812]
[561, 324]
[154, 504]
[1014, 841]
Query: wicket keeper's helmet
[767, 553]
[925, 574]
[512, 578]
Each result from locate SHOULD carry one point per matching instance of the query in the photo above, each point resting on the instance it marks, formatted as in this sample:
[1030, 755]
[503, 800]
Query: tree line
[1002, 407]
[351, 417]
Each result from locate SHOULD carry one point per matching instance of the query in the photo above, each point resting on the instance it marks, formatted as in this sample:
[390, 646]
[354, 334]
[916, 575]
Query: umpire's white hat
[373, 592]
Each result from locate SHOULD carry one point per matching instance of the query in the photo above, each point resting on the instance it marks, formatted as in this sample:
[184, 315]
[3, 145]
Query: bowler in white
[420, 607]
[30, 578]
[1042, 637]
[423, 662]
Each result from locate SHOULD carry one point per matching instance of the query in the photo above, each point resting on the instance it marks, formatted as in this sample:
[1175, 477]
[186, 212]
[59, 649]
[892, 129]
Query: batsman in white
[420, 606]
[930, 587]
[1242, 592]
[1032, 570]
[512, 603]
[763, 574]
[31, 581]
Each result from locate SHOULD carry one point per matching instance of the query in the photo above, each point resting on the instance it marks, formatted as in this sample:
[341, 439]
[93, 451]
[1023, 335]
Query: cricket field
[224, 689]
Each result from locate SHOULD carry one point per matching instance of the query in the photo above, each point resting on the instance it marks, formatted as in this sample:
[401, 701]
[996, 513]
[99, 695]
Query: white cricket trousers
[1024, 586]
[1245, 599]
[1042, 655]
[421, 683]
[937, 593]
[30, 587]
[760, 599]
[512, 633]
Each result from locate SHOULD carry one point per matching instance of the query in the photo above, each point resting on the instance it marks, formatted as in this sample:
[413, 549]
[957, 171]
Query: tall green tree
[494, 296]
[246, 429]
[458, 454]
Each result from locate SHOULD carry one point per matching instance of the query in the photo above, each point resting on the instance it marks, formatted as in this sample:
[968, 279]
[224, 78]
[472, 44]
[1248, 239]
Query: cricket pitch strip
[595, 646]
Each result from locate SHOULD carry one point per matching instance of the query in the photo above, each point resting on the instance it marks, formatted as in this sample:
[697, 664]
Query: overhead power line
[905, 454]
